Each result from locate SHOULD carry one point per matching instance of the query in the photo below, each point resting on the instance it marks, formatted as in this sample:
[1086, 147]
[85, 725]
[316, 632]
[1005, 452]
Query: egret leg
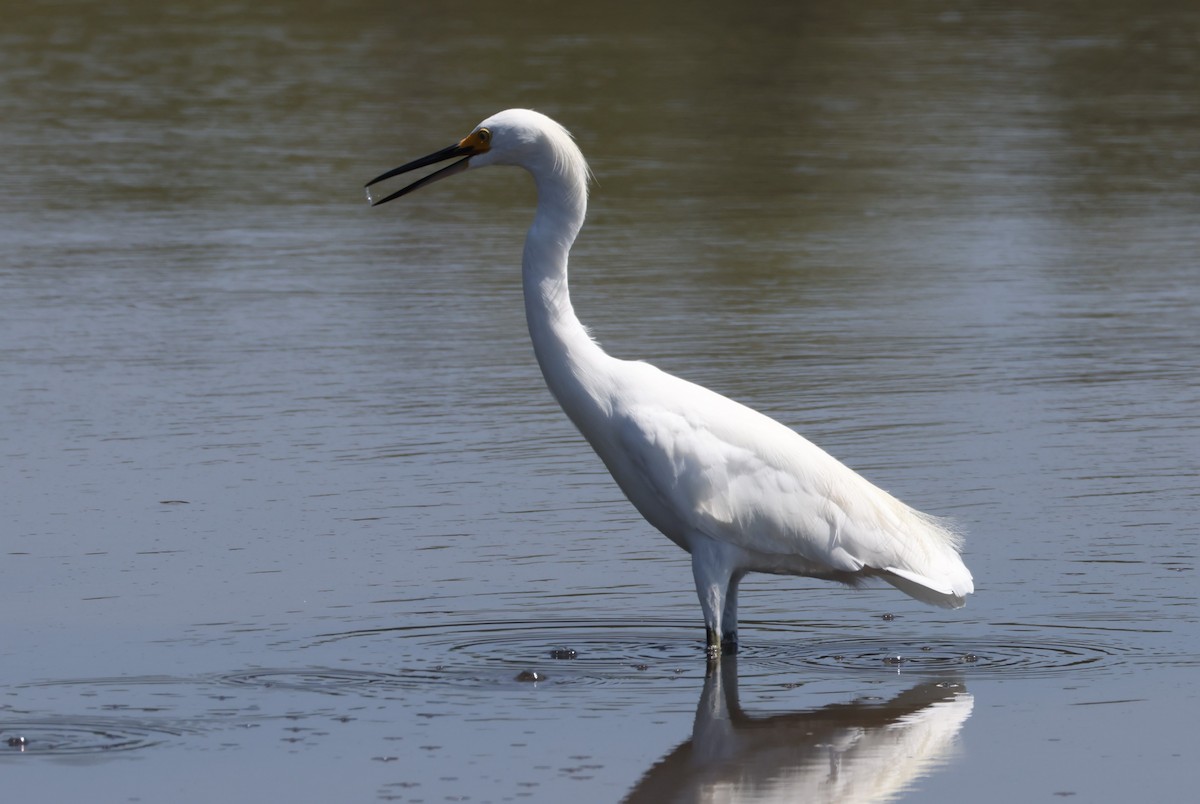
[713, 573]
[729, 617]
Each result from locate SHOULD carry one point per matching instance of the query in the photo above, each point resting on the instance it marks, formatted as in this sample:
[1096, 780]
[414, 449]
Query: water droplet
[370, 198]
[894, 660]
[530, 675]
[970, 657]
[889, 617]
[563, 653]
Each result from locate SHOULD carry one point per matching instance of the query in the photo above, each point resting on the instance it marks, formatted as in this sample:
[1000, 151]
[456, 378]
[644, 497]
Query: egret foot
[724, 646]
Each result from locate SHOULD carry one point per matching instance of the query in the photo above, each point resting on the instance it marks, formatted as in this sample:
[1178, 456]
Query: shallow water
[288, 511]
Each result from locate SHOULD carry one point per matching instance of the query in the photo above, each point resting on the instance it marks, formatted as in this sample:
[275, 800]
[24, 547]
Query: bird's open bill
[475, 143]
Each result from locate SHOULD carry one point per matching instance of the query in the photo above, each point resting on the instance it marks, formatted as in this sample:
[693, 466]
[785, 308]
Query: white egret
[736, 489]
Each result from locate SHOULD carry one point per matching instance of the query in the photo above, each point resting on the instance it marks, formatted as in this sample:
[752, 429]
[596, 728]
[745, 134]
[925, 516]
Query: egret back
[698, 464]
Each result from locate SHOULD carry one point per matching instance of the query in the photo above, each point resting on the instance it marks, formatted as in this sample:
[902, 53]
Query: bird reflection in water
[863, 751]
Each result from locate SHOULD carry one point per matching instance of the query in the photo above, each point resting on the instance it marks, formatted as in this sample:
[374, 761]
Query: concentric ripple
[324, 680]
[608, 651]
[75, 736]
[597, 646]
[488, 652]
[976, 658]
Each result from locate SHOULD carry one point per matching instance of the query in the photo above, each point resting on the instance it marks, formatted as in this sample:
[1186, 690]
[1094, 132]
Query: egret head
[518, 137]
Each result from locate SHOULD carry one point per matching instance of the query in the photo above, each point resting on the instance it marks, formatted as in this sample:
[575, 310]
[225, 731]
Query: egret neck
[572, 363]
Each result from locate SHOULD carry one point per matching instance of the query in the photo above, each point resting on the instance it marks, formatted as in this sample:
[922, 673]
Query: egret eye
[485, 136]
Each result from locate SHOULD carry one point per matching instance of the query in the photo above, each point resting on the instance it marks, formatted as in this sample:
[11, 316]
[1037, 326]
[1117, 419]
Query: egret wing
[734, 484]
[716, 467]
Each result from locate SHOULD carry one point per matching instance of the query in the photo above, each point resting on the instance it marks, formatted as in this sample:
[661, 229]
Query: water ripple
[969, 657]
[72, 736]
[324, 680]
[614, 651]
[593, 650]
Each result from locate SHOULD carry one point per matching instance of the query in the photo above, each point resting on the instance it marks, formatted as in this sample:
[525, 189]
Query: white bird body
[736, 489]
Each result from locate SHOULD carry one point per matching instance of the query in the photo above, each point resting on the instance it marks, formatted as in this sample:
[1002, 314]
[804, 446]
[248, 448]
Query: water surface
[288, 510]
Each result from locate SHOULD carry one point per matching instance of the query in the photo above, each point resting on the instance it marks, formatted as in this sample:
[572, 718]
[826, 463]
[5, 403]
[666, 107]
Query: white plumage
[736, 489]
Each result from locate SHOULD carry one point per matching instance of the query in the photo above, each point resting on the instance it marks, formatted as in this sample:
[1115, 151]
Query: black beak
[440, 156]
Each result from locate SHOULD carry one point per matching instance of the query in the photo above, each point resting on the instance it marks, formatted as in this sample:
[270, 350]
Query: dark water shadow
[845, 752]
